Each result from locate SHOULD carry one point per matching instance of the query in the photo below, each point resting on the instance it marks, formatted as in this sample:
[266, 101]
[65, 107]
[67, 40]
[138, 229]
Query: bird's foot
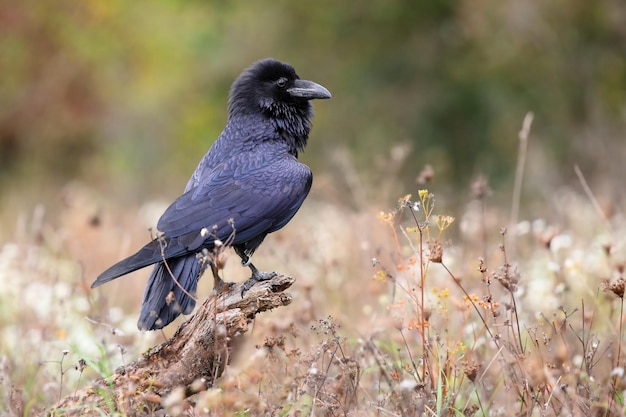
[256, 277]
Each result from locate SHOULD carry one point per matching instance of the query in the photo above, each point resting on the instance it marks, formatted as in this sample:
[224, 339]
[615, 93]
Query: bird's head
[273, 89]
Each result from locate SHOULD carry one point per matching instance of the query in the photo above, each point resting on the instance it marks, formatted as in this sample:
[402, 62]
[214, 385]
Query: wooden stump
[189, 362]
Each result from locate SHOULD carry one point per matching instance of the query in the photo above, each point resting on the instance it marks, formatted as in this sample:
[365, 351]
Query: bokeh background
[106, 107]
[128, 96]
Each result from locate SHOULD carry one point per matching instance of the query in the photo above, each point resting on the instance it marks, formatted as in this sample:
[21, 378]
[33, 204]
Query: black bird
[250, 183]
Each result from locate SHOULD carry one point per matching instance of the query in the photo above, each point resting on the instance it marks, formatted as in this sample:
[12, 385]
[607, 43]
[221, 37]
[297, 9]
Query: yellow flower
[380, 276]
[445, 293]
[385, 217]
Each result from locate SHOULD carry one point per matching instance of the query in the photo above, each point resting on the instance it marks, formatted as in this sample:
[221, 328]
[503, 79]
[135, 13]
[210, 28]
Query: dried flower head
[436, 252]
[508, 276]
[471, 370]
[618, 287]
[426, 175]
[480, 188]
[443, 222]
[481, 265]
[404, 202]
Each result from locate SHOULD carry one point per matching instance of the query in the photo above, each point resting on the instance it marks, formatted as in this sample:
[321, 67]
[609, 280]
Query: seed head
[618, 287]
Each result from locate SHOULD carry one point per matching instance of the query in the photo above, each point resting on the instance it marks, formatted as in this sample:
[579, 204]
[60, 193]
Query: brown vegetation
[446, 321]
[189, 362]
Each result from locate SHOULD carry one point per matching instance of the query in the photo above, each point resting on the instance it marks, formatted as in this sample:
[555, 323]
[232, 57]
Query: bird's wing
[258, 195]
[249, 194]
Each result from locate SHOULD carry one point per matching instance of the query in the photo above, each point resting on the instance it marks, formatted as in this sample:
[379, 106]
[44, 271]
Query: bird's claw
[256, 277]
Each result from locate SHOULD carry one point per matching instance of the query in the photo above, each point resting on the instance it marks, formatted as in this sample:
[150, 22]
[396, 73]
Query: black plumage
[250, 183]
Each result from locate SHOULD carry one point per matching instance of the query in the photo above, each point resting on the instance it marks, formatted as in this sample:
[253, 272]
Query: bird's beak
[308, 90]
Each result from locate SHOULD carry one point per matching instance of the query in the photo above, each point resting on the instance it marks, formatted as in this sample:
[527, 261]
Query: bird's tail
[152, 253]
[171, 290]
[147, 255]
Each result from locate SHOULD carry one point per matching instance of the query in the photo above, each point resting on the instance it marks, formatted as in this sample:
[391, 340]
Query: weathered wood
[188, 362]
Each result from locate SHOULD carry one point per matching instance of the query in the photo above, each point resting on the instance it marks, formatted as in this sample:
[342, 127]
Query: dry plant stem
[423, 319]
[378, 355]
[585, 341]
[458, 284]
[425, 361]
[188, 357]
[169, 271]
[408, 349]
[425, 348]
[514, 310]
[613, 390]
[621, 326]
[519, 172]
[483, 225]
[591, 196]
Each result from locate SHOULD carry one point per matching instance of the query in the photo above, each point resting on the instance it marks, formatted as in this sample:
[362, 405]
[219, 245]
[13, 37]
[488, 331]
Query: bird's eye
[282, 81]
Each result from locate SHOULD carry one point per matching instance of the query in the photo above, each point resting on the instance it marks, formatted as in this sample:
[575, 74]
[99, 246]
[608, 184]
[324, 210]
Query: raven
[250, 183]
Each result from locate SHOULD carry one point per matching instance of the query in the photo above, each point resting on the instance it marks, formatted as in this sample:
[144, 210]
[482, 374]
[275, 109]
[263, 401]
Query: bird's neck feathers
[293, 125]
[289, 123]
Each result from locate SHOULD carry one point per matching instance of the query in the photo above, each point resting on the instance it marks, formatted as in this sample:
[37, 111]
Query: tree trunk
[189, 362]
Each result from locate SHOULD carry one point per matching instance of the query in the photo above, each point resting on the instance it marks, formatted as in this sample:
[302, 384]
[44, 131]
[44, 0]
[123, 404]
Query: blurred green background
[127, 96]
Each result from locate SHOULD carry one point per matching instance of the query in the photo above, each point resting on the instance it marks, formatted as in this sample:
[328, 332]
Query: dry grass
[397, 313]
